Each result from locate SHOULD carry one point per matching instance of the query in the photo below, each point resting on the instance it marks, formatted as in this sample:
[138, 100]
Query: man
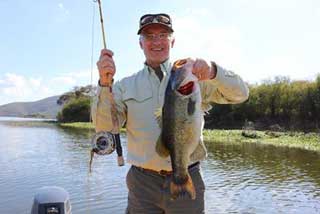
[137, 97]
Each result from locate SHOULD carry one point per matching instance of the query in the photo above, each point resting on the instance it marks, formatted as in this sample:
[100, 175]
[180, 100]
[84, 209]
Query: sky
[47, 47]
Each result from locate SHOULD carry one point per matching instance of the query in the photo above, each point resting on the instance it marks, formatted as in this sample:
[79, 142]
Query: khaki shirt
[139, 96]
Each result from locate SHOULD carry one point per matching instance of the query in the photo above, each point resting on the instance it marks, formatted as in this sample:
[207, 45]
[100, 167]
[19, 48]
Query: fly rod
[105, 142]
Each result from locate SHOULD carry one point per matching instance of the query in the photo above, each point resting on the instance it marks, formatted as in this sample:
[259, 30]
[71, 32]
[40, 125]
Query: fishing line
[91, 92]
[92, 51]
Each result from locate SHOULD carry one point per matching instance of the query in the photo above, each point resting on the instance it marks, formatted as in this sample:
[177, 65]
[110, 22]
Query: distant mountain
[45, 108]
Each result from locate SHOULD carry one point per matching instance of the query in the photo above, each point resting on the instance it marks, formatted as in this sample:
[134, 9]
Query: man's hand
[204, 70]
[106, 67]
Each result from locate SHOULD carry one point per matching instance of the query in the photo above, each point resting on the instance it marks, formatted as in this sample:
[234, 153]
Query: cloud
[201, 34]
[19, 88]
[197, 11]
[281, 64]
[82, 77]
[62, 14]
[64, 80]
[63, 9]
[36, 82]
[194, 38]
[317, 11]
[14, 87]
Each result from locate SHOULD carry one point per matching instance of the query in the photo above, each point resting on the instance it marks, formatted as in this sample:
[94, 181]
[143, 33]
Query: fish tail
[180, 189]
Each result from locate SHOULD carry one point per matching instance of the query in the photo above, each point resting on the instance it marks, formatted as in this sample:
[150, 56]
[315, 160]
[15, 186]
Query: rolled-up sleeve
[226, 88]
[101, 108]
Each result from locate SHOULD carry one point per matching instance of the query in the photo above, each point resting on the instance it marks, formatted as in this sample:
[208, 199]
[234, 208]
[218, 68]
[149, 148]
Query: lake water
[240, 178]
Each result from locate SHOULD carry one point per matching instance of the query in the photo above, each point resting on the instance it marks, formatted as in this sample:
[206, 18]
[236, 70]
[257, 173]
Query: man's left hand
[203, 70]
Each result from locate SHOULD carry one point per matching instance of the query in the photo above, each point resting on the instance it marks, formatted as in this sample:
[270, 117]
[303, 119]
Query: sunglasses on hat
[160, 18]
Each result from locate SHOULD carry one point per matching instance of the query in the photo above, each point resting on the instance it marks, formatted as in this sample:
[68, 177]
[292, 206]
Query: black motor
[51, 200]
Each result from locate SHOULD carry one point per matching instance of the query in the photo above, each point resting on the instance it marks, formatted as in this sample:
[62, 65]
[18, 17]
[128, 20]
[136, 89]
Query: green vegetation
[82, 125]
[32, 124]
[276, 105]
[291, 105]
[76, 105]
[294, 105]
[77, 110]
[310, 141]
[77, 125]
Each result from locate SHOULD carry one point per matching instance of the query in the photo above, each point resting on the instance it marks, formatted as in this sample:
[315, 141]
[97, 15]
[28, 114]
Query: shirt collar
[165, 67]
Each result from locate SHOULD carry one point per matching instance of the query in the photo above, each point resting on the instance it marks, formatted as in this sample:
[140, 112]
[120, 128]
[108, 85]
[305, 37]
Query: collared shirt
[140, 95]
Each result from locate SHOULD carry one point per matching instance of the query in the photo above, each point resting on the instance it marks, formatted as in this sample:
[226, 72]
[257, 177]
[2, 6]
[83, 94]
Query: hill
[45, 108]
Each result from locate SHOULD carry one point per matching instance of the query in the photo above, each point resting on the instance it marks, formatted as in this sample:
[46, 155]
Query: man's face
[157, 49]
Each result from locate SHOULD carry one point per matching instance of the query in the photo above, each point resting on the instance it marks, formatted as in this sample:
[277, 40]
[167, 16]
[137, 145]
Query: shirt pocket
[139, 107]
[137, 96]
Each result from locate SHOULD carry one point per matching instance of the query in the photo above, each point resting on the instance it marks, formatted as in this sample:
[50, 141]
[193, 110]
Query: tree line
[292, 105]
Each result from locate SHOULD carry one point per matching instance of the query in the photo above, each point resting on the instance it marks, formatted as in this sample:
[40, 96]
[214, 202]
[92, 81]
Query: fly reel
[103, 143]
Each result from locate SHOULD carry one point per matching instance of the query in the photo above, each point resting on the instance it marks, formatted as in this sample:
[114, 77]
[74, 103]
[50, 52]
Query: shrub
[76, 110]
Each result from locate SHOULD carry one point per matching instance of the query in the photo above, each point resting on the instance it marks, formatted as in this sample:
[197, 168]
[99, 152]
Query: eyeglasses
[160, 36]
[155, 18]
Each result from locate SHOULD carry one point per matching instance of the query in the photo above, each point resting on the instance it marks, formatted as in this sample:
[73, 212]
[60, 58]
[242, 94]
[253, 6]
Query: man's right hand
[106, 67]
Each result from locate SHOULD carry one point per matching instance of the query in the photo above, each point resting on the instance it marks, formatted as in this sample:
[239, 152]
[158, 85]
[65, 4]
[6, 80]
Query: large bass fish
[180, 122]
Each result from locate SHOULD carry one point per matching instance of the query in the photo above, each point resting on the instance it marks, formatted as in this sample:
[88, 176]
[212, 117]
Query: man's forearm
[225, 88]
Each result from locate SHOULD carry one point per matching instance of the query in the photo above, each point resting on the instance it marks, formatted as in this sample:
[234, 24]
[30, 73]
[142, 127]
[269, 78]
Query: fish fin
[158, 116]
[191, 106]
[199, 153]
[180, 189]
[161, 149]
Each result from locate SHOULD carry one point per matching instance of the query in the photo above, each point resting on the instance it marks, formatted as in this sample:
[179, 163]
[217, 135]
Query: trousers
[149, 193]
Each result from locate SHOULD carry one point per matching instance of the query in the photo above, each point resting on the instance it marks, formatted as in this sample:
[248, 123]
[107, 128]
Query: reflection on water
[32, 157]
[252, 178]
[23, 119]
[246, 178]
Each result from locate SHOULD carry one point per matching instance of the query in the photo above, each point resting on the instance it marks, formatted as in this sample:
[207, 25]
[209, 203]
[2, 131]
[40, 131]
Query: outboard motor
[51, 200]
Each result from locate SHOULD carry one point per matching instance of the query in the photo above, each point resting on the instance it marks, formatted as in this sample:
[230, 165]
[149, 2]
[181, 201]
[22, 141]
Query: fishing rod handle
[119, 150]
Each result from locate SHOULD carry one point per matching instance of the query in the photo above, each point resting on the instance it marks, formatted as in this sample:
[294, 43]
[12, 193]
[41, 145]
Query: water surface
[240, 178]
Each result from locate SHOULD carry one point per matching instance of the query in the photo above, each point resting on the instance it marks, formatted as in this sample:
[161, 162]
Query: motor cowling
[51, 200]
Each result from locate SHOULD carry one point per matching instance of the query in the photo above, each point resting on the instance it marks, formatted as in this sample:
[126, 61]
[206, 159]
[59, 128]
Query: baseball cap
[159, 18]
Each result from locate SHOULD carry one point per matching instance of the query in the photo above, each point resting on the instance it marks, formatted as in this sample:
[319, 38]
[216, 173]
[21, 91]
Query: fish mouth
[186, 89]
[182, 79]
[180, 84]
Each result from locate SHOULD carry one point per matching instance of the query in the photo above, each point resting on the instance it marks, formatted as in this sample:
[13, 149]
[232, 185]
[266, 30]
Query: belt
[165, 172]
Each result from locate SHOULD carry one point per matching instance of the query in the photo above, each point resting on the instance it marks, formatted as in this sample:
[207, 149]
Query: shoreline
[299, 140]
